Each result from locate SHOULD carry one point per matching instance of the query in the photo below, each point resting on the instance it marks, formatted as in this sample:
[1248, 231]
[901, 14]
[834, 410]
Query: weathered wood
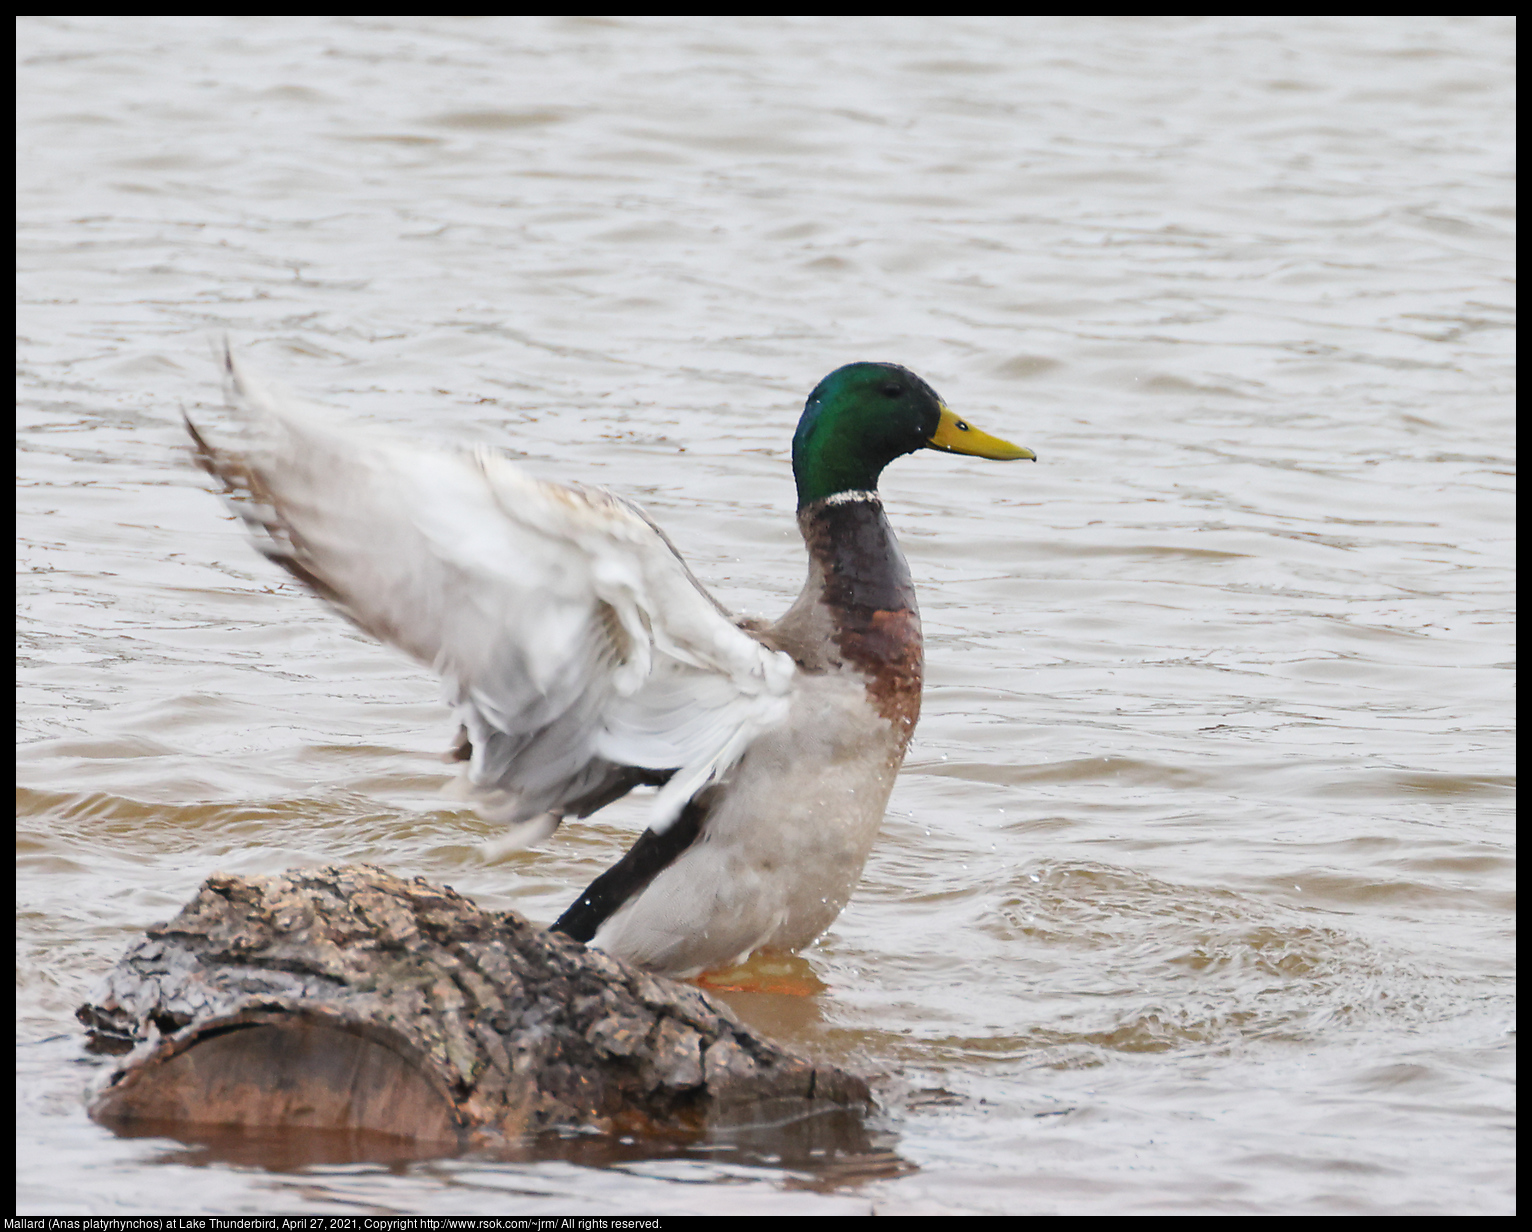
[346, 998]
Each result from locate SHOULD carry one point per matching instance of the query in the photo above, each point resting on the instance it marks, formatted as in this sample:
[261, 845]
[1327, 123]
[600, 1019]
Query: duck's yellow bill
[955, 435]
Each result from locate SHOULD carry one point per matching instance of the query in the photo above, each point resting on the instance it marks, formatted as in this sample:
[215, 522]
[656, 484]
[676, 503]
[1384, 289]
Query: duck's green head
[863, 416]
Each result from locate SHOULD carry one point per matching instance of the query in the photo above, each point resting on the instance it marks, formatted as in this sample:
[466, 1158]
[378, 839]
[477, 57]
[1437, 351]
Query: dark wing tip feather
[626, 879]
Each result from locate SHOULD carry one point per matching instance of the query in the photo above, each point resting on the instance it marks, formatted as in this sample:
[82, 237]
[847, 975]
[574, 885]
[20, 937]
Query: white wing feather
[572, 639]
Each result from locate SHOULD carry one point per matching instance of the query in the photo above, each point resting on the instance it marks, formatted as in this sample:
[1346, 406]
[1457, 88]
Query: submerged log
[347, 998]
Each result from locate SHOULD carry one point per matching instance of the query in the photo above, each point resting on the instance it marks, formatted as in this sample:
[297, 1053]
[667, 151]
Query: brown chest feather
[865, 586]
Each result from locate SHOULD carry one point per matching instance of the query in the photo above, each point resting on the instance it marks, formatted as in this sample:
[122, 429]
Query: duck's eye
[893, 391]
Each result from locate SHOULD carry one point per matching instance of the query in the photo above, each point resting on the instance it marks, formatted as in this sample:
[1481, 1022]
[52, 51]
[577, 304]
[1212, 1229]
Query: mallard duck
[582, 658]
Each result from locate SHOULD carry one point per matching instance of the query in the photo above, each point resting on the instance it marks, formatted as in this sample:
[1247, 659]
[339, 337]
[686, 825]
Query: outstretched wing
[578, 651]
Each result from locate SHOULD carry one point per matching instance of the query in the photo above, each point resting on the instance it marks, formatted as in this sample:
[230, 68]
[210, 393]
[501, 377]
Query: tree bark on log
[347, 998]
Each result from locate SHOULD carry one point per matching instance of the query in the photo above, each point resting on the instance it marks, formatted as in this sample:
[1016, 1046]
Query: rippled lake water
[1196, 892]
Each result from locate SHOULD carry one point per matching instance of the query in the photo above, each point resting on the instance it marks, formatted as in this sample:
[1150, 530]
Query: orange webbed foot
[765, 971]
